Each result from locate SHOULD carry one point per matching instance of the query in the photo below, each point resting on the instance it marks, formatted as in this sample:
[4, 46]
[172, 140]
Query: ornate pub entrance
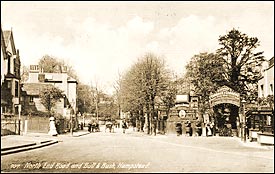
[225, 104]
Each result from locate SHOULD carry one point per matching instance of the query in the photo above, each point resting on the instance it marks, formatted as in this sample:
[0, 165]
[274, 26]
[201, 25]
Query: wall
[267, 79]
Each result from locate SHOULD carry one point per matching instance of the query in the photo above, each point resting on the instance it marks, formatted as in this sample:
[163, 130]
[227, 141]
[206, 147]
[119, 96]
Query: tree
[235, 65]
[117, 94]
[168, 96]
[142, 84]
[52, 64]
[242, 62]
[205, 73]
[24, 73]
[84, 98]
[49, 96]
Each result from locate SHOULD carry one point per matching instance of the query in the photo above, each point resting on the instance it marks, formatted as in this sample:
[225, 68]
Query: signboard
[182, 98]
[182, 113]
[225, 95]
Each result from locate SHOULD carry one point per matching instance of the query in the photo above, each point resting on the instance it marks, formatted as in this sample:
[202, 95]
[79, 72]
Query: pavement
[19, 143]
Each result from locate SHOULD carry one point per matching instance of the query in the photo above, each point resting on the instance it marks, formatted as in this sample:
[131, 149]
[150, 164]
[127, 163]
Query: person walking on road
[124, 125]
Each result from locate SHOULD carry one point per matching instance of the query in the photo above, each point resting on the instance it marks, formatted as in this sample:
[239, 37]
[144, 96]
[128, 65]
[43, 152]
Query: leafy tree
[49, 96]
[242, 63]
[52, 64]
[236, 64]
[84, 98]
[107, 107]
[205, 73]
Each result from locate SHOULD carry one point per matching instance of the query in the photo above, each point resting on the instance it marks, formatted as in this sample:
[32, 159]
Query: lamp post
[244, 127]
[73, 112]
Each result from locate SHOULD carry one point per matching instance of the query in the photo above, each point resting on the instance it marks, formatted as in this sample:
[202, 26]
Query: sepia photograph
[137, 86]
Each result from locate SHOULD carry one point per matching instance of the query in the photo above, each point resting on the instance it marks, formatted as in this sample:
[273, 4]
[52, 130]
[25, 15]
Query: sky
[102, 39]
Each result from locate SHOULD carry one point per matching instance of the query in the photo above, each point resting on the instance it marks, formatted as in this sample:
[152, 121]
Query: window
[271, 89]
[268, 121]
[16, 89]
[262, 90]
[31, 99]
[9, 65]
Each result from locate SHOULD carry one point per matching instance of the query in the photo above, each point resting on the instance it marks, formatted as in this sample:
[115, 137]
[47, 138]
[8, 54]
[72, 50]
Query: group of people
[198, 128]
[93, 126]
[188, 128]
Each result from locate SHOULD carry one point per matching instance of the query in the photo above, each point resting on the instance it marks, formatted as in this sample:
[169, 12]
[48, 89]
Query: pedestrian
[208, 129]
[89, 126]
[154, 126]
[179, 128]
[57, 125]
[109, 126]
[212, 128]
[188, 128]
[124, 125]
[198, 128]
[81, 126]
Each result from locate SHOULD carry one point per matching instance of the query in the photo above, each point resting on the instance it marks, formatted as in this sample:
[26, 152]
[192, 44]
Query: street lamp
[244, 127]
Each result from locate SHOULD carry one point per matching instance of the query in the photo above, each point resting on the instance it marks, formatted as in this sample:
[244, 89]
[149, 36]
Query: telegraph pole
[96, 99]
[96, 106]
[245, 124]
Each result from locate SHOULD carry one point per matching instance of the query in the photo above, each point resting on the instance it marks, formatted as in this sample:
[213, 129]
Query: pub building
[184, 111]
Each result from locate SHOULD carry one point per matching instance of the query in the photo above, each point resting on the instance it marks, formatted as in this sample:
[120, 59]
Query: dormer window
[16, 89]
[9, 84]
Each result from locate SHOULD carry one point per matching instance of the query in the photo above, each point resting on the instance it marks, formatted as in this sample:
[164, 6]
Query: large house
[10, 75]
[266, 83]
[38, 80]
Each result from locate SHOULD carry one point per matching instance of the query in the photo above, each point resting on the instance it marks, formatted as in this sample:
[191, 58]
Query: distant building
[38, 79]
[266, 83]
[10, 74]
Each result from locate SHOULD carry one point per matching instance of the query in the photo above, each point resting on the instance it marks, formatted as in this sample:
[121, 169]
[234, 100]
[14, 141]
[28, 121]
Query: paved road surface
[137, 152]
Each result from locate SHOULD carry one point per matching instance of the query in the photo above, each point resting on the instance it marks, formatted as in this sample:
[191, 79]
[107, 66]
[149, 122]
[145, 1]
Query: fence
[36, 124]
[41, 124]
[10, 126]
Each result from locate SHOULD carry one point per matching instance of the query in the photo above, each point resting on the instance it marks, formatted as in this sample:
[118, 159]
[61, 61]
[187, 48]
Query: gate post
[19, 125]
[26, 127]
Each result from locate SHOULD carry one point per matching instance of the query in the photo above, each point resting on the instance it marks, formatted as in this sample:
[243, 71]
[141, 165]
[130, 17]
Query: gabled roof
[3, 45]
[7, 35]
[34, 88]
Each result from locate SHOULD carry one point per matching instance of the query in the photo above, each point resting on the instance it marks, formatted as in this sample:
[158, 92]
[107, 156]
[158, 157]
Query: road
[138, 152]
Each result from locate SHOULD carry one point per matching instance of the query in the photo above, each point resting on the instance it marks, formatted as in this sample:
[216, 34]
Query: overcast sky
[100, 39]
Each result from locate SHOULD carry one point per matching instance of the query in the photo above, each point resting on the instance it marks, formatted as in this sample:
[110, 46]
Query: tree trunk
[148, 123]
